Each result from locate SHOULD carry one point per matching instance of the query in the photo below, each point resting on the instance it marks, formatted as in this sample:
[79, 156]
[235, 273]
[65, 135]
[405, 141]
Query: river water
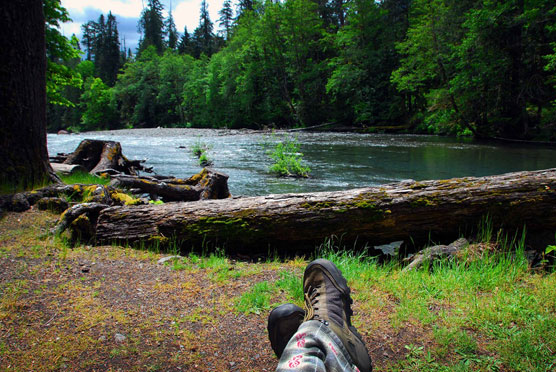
[337, 160]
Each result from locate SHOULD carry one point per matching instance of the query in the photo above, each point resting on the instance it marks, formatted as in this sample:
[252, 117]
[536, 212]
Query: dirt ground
[112, 308]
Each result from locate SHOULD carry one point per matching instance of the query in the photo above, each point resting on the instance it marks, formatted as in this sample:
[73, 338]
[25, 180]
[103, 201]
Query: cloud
[124, 8]
[187, 12]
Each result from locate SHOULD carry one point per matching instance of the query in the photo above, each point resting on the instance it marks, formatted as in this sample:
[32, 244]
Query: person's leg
[283, 322]
[314, 347]
[325, 339]
[328, 300]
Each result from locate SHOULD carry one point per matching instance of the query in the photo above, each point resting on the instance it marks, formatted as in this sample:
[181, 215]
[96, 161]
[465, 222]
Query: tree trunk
[23, 150]
[409, 211]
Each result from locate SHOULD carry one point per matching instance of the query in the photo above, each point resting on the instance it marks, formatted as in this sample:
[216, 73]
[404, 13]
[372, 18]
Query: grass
[200, 150]
[288, 159]
[83, 178]
[485, 311]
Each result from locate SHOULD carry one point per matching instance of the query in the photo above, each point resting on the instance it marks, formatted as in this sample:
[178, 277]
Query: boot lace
[311, 299]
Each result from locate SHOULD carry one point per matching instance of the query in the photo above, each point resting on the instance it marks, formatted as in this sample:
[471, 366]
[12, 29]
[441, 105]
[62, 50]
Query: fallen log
[409, 211]
[208, 184]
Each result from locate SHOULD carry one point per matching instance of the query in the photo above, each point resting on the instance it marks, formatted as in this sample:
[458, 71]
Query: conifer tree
[171, 31]
[226, 18]
[108, 63]
[243, 6]
[151, 26]
[203, 35]
[184, 46]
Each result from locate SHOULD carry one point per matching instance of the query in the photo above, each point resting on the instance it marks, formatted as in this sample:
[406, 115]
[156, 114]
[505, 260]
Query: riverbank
[111, 307]
[338, 161]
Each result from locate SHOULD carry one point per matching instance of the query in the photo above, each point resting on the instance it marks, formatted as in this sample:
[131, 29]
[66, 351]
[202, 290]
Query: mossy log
[409, 211]
[208, 184]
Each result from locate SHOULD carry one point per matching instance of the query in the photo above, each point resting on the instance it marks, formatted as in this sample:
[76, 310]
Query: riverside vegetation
[470, 68]
[112, 307]
[288, 159]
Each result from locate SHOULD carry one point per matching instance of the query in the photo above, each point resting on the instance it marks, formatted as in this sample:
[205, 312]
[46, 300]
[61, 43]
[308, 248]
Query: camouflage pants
[315, 348]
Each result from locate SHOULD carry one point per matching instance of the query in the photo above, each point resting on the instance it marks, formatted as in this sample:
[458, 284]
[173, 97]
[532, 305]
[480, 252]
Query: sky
[127, 12]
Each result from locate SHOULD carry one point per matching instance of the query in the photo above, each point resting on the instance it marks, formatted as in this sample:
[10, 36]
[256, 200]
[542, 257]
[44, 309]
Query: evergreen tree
[226, 18]
[244, 6]
[171, 31]
[107, 57]
[184, 46]
[151, 26]
[88, 39]
[203, 35]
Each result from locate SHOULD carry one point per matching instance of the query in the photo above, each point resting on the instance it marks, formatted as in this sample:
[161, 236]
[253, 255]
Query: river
[337, 160]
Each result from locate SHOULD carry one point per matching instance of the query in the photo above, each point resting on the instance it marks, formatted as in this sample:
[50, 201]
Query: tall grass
[493, 297]
[83, 178]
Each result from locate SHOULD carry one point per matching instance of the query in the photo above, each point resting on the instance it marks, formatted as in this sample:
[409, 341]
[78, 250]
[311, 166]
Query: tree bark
[23, 150]
[98, 156]
[409, 211]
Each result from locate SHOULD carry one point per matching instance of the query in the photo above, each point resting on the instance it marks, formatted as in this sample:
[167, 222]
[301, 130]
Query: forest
[480, 68]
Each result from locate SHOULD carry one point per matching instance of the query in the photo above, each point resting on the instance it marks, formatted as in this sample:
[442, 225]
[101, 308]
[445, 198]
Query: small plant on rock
[288, 160]
[204, 160]
[200, 149]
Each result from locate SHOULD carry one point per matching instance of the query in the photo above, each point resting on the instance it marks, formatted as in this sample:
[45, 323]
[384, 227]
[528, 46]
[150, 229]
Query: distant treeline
[464, 67]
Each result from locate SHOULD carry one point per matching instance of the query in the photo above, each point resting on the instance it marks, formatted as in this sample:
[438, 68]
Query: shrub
[288, 160]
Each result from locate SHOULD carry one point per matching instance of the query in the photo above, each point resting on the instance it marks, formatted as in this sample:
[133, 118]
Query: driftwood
[434, 253]
[98, 157]
[409, 211]
[208, 184]
[67, 168]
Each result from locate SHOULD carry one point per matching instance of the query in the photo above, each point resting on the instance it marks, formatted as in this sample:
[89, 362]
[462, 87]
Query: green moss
[417, 186]
[125, 198]
[318, 205]
[235, 227]
[424, 202]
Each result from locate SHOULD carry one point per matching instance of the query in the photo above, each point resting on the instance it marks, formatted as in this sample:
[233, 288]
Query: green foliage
[204, 160]
[59, 52]
[288, 159]
[98, 103]
[360, 82]
[151, 26]
[256, 299]
[83, 178]
[478, 65]
[481, 68]
[200, 150]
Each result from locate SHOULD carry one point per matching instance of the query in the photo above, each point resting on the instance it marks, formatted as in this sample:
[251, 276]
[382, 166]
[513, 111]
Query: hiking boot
[283, 322]
[327, 299]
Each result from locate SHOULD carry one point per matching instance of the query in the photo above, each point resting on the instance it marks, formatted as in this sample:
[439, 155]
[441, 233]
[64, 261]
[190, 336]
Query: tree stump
[98, 156]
